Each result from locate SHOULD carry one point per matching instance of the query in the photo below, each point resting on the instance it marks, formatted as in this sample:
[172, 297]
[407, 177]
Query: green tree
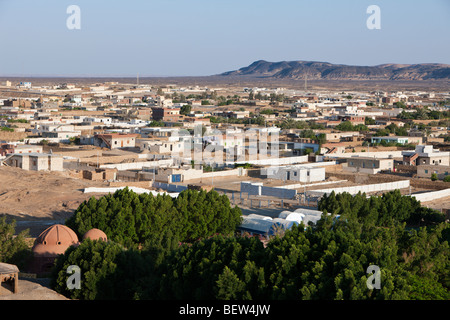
[186, 109]
[14, 249]
[229, 286]
[97, 263]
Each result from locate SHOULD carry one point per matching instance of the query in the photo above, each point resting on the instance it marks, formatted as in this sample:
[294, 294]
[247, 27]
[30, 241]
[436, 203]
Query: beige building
[426, 155]
[170, 175]
[164, 147]
[368, 165]
[36, 161]
[115, 140]
[425, 171]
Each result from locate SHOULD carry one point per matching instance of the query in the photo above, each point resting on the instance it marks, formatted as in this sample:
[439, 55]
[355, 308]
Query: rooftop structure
[426, 155]
[35, 161]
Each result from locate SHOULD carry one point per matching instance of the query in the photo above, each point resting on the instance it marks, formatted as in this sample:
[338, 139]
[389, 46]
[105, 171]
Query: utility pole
[306, 82]
[212, 176]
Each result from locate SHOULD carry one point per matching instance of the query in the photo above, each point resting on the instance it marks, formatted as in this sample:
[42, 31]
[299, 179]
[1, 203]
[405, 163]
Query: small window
[426, 171]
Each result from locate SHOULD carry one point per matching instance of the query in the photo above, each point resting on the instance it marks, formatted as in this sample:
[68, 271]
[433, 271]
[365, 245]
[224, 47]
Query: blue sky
[205, 37]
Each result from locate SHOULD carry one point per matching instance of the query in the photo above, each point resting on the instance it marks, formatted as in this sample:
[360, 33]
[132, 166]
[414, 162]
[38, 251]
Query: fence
[303, 185]
[250, 201]
[169, 187]
[138, 165]
[138, 190]
[433, 195]
[364, 189]
[257, 189]
[273, 161]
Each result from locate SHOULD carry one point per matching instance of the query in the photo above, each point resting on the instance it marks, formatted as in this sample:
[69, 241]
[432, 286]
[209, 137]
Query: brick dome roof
[54, 240]
[95, 234]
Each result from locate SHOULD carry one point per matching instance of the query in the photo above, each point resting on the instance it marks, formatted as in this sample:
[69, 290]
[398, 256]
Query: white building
[304, 174]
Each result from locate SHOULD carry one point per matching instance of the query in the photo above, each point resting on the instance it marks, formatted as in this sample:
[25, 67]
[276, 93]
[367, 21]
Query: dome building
[95, 234]
[52, 242]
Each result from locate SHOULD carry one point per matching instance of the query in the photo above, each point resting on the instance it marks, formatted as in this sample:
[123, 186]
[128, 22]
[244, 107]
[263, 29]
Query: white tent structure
[264, 226]
[292, 216]
[258, 216]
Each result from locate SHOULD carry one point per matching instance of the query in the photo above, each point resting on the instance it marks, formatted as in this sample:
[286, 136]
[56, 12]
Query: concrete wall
[134, 189]
[257, 189]
[433, 195]
[169, 187]
[377, 154]
[364, 188]
[51, 140]
[224, 173]
[302, 185]
[138, 165]
[274, 161]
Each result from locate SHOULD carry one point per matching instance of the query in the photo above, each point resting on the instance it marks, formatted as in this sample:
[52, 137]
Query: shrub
[14, 249]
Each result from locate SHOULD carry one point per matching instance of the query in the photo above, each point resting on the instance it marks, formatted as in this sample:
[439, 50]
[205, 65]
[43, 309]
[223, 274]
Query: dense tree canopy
[130, 219]
[329, 260]
[348, 126]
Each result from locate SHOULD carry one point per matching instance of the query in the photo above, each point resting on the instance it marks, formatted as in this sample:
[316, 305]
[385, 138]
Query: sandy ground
[30, 289]
[443, 203]
[38, 199]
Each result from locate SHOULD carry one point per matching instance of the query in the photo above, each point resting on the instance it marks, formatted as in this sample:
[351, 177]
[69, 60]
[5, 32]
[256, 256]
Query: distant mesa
[314, 70]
